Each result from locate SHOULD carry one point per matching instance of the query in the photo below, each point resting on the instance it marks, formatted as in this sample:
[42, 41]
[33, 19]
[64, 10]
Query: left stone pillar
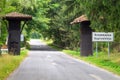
[14, 37]
[14, 29]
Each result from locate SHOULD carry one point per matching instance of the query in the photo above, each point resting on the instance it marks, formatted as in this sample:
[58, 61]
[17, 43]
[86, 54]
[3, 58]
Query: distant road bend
[44, 63]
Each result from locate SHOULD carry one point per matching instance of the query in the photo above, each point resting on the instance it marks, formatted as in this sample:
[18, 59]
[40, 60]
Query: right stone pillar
[85, 39]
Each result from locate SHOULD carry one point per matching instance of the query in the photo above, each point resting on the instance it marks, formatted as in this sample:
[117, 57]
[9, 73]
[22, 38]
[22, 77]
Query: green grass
[111, 63]
[9, 63]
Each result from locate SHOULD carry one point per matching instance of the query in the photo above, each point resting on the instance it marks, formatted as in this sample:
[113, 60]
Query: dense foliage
[51, 18]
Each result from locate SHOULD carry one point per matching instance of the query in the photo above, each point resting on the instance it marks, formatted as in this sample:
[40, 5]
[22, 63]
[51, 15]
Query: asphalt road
[44, 63]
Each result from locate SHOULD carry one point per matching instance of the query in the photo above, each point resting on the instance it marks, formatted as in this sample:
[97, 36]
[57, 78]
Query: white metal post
[96, 49]
[0, 29]
[108, 49]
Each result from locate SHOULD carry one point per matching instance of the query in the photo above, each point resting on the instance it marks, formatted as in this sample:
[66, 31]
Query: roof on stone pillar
[79, 19]
[17, 16]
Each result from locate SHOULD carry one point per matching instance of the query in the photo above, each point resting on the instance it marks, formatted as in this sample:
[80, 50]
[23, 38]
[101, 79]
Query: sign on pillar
[22, 37]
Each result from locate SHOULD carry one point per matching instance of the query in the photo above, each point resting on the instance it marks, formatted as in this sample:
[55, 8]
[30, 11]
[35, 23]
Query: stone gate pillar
[85, 38]
[85, 35]
[14, 37]
[14, 30]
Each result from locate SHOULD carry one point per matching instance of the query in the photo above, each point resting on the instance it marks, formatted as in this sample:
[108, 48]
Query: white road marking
[96, 77]
[54, 63]
[48, 56]
[71, 62]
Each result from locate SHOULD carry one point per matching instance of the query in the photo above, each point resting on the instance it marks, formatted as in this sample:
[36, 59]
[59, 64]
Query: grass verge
[8, 63]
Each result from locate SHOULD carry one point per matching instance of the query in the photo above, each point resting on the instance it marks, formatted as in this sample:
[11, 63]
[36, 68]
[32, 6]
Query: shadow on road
[41, 48]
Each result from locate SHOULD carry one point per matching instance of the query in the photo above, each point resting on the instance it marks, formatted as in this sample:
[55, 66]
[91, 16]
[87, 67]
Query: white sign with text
[22, 37]
[102, 36]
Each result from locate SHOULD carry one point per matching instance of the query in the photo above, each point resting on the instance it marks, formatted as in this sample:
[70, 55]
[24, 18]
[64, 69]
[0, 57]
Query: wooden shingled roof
[79, 19]
[17, 16]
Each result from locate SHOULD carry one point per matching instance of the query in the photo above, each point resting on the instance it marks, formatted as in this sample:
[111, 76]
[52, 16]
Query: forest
[51, 19]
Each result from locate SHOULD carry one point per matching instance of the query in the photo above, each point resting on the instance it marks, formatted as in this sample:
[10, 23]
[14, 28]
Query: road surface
[44, 63]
